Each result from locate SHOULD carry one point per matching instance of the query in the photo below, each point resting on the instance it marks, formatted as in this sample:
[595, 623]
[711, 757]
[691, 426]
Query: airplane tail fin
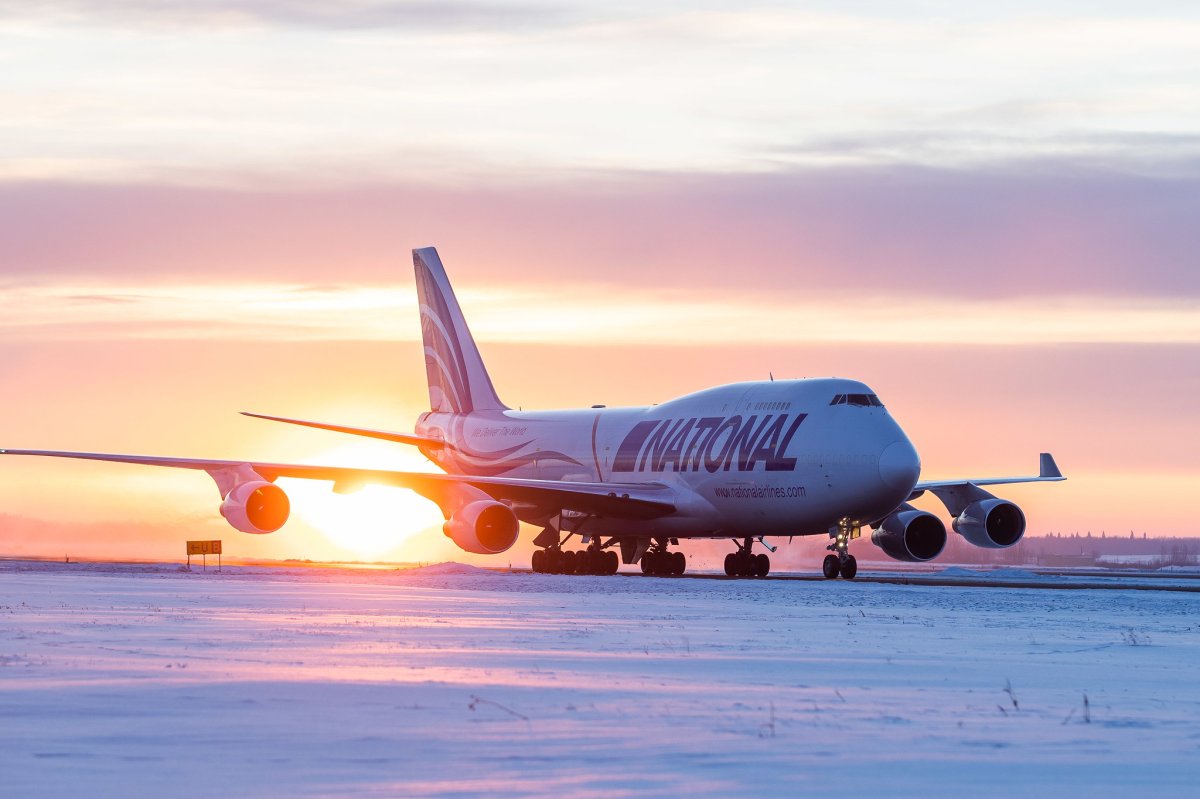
[458, 380]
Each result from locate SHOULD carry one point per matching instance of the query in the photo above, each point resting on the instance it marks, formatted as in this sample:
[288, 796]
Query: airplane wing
[1048, 472]
[616, 500]
[400, 438]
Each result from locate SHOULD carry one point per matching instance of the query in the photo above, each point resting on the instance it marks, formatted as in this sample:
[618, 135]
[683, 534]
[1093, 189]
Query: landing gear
[842, 562]
[745, 563]
[551, 558]
[660, 563]
[593, 560]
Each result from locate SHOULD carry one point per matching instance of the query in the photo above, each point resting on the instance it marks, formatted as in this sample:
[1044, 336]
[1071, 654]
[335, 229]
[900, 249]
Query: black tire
[731, 565]
[831, 567]
[553, 562]
[647, 562]
[538, 562]
[612, 562]
[849, 568]
[679, 564]
[569, 559]
[745, 565]
[762, 565]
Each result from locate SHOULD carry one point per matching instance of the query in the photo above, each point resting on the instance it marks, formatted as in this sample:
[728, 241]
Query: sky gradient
[986, 214]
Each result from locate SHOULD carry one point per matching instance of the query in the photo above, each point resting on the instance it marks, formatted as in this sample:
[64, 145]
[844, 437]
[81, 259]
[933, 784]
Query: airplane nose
[899, 466]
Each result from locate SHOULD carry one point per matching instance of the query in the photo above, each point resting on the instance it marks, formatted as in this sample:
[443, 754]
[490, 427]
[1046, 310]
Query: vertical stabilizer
[458, 381]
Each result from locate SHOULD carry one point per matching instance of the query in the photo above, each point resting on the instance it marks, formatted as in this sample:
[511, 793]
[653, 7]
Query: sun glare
[374, 519]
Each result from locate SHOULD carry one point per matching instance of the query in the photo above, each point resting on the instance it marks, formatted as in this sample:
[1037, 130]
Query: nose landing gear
[842, 562]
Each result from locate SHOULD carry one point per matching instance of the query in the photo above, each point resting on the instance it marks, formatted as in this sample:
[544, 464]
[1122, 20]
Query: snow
[450, 568]
[118, 680]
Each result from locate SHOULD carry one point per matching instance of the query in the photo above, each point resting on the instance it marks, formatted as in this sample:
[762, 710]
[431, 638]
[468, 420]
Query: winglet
[1048, 467]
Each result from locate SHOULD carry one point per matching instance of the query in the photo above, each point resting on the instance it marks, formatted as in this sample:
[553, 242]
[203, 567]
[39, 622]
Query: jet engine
[257, 507]
[991, 523]
[911, 535]
[485, 527]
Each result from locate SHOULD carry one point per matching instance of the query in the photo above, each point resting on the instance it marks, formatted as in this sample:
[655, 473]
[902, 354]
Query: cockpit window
[862, 400]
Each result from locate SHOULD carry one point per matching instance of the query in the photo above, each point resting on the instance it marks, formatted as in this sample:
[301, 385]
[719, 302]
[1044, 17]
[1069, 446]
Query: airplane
[744, 461]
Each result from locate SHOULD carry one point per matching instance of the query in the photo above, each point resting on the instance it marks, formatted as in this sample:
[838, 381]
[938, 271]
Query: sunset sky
[989, 213]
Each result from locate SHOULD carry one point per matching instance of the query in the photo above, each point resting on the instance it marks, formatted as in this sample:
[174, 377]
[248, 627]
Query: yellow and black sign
[204, 548]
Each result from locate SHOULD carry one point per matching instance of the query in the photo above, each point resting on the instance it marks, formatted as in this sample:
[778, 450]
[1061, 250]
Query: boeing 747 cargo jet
[744, 462]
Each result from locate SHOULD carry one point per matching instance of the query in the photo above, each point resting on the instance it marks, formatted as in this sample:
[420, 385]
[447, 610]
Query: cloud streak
[584, 316]
[903, 234]
[199, 91]
[332, 15]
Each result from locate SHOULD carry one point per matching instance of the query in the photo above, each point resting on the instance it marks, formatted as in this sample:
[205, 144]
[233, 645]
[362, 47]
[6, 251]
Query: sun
[374, 519]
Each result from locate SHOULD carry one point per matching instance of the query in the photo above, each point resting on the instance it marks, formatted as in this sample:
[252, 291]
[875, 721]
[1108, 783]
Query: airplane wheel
[831, 567]
[647, 563]
[762, 565]
[731, 565]
[849, 567]
[679, 561]
[612, 561]
[569, 562]
[553, 561]
[539, 561]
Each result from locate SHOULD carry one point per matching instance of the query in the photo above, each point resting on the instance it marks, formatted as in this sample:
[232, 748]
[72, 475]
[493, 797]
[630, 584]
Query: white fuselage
[745, 459]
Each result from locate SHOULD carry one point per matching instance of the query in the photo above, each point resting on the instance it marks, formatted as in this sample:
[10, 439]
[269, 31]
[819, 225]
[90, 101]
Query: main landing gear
[745, 563]
[593, 560]
[842, 562]
[659, 562]
[597, 559]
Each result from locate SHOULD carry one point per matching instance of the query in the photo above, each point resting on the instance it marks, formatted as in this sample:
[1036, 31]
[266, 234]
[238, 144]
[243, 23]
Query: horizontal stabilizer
[384, 435]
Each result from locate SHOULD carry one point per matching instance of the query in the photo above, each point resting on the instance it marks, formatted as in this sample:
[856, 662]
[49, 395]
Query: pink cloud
[885, 232]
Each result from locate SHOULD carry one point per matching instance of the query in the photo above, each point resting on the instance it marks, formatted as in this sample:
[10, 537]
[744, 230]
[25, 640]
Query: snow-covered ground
[451, 681]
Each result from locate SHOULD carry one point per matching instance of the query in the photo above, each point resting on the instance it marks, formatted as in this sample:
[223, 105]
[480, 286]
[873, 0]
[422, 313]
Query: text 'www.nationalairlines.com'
[759, 492]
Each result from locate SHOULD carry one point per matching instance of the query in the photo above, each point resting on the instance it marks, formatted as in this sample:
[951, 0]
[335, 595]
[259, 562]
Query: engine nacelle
[257, 507]
[991, 523]
[484, 527]
[914, 536]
